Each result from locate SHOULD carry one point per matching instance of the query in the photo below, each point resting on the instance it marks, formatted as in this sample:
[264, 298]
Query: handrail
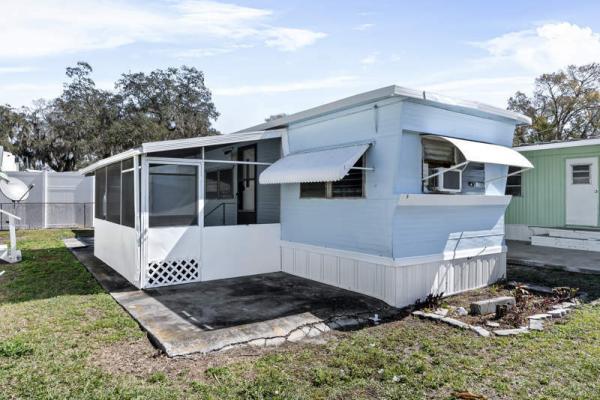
[10, 215]
[223, 204]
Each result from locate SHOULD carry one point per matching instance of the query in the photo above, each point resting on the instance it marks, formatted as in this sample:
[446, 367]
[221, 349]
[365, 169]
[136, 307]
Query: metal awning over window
[328, 165]
[487, 153]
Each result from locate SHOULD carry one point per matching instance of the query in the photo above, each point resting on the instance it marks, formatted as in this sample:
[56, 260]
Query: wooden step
[574, 233]
[566, 243]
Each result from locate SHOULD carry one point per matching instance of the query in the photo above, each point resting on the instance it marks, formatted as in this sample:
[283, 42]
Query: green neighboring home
[556, 203]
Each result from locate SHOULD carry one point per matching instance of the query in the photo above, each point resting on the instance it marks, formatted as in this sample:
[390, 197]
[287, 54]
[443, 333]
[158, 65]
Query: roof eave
[386, 92]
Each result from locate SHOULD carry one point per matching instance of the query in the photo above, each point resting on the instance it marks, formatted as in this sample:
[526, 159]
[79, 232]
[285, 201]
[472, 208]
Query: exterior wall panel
[542, 202]
[397, 285]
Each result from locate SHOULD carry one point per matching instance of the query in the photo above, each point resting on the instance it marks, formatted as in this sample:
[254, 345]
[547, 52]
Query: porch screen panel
[127, 194]
[113, 193]
[100, 193]
[173, 195]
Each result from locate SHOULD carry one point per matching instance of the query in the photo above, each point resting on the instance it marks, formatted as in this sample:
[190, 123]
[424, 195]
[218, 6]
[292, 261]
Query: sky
[267, 57]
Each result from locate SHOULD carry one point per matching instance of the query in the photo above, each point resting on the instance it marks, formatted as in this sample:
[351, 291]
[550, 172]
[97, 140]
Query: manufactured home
[393, 193]
[557, 204]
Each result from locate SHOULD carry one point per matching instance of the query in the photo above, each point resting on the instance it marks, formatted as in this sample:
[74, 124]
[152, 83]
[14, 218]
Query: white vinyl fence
[57, 199]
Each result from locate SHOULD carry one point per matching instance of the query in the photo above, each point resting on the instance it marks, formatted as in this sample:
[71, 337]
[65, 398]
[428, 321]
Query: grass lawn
[61, 336]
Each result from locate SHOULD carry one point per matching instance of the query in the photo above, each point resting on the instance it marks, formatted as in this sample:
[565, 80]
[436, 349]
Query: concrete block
[558, 313]
[480, 330]
[540, 316]
[455, 322]
[511, 332]
[488, 306]
[536, 324]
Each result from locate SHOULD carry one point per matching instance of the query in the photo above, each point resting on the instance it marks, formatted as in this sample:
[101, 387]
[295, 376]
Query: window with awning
[442, 155]
[327, 165]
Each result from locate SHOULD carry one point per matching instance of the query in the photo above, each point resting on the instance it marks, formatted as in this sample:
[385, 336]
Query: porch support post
[142, 219]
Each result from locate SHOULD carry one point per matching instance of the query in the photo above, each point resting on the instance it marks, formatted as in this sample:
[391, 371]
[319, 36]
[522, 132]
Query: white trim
[175, 161]
[109, 160]
[136, 214]
[386, 92]
[179, 144]
[398, 262]
[558, 145]
[202, 141]
[422, 199]
[46, 199]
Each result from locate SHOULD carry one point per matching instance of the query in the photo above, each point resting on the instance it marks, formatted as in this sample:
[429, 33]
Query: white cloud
[494, 91]
[546, 48]
[208, 51]
[363, 27]
[18, 94]
[370, 59]
[30, 28]
[15, 70]
[326, 83]
[290, 39]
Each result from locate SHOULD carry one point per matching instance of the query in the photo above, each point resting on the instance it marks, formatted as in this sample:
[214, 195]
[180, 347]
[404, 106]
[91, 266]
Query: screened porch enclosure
[189, 215]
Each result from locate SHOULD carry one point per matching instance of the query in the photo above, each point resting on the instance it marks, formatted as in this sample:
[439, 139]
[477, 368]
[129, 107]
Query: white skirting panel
[240, 250]
[116, 245]
[383, 278]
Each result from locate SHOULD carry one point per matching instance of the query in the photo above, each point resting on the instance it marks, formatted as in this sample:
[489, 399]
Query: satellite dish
[15, 189]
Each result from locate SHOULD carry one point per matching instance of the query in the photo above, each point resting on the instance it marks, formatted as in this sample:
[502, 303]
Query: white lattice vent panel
[172, 272]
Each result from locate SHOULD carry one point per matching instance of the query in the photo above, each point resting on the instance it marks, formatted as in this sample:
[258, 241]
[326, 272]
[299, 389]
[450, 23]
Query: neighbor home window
[100, 194]
[513, 182]
[127, 194]
[173, 195]
[219, 184]
[580, 174]
[350, 186]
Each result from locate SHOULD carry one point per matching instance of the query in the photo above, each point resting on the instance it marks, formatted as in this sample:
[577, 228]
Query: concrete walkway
[258, 310]
[523, 253]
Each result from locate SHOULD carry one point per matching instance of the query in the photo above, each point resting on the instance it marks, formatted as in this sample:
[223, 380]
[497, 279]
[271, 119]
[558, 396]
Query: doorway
[246, 183]
[582, 191]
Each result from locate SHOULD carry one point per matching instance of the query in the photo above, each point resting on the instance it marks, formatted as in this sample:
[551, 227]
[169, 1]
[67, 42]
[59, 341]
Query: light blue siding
[433, 230]
[428, 119]
[376, 224]
[349, 224]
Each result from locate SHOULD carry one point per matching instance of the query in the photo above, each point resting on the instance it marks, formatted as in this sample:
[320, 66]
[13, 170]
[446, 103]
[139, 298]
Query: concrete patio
[580, 261]
[258, 310]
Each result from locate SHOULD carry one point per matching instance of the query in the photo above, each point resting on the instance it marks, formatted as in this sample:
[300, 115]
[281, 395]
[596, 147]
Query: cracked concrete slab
[257, 310]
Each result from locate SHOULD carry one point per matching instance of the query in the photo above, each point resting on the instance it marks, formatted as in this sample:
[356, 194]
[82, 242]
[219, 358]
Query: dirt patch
[528, 303]
[142, 360]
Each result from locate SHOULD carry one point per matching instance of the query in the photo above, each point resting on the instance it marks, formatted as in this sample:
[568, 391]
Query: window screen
[350, 186]
[173, 195]
[113, 193]
[100, 195]
[127, 194]
[513, 182]
[581, 174]
[226, 183]
[313, 189]
[211, 184]
[219, 184]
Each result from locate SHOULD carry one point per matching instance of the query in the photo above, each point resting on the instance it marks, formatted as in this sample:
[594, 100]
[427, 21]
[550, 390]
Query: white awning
[316, 166]
[487, 153]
